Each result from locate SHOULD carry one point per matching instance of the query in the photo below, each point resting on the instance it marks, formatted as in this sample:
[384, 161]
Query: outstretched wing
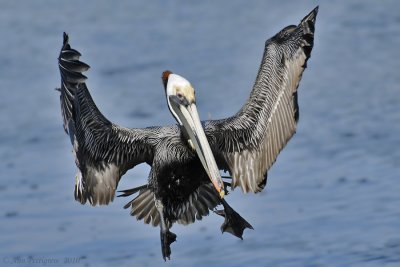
[103, 151]
[248, 143]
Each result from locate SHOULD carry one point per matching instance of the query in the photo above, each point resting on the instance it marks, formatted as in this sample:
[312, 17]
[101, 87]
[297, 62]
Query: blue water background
[333, 196]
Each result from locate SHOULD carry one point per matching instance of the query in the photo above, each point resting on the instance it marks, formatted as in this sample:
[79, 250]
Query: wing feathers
[249, 142]
[103, 150]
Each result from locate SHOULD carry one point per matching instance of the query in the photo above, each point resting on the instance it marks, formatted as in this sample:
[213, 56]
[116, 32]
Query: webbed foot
[234, 223]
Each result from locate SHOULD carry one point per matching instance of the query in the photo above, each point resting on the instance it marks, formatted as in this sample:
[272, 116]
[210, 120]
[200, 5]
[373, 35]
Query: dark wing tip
[309, 20]
[308, 26]
[66, 51]
[311, 16]
[65, 38]
[70, 66]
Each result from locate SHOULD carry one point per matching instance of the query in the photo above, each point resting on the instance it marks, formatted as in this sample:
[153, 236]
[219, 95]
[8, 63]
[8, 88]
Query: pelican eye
[182, 99]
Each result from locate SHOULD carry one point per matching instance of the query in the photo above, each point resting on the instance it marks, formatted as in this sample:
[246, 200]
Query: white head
[178, 91]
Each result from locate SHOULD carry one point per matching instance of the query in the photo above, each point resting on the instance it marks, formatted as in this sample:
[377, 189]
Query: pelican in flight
[184, 183]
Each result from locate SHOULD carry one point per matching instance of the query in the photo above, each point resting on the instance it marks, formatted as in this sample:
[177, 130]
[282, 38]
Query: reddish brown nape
[164, 77]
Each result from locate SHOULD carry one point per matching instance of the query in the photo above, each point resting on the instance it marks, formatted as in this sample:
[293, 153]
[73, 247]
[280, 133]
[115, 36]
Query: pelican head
[182, 104]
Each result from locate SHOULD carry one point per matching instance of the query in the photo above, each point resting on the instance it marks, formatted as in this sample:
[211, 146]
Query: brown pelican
[184, 183]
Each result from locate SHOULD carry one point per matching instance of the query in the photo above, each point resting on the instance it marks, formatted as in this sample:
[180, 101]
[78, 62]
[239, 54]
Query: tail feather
[131, 191]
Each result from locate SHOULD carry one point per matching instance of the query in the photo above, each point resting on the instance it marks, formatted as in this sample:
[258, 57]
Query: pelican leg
[227, 184]
[234, 223]
[166, 236]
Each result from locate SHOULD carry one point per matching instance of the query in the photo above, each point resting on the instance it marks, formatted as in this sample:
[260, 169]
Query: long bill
[189, 116]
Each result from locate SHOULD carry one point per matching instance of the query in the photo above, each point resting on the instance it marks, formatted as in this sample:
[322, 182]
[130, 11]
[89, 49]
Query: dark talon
[167, 238]
[234, 223]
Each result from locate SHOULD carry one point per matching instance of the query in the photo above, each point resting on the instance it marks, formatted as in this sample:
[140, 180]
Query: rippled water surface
[333, 196]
